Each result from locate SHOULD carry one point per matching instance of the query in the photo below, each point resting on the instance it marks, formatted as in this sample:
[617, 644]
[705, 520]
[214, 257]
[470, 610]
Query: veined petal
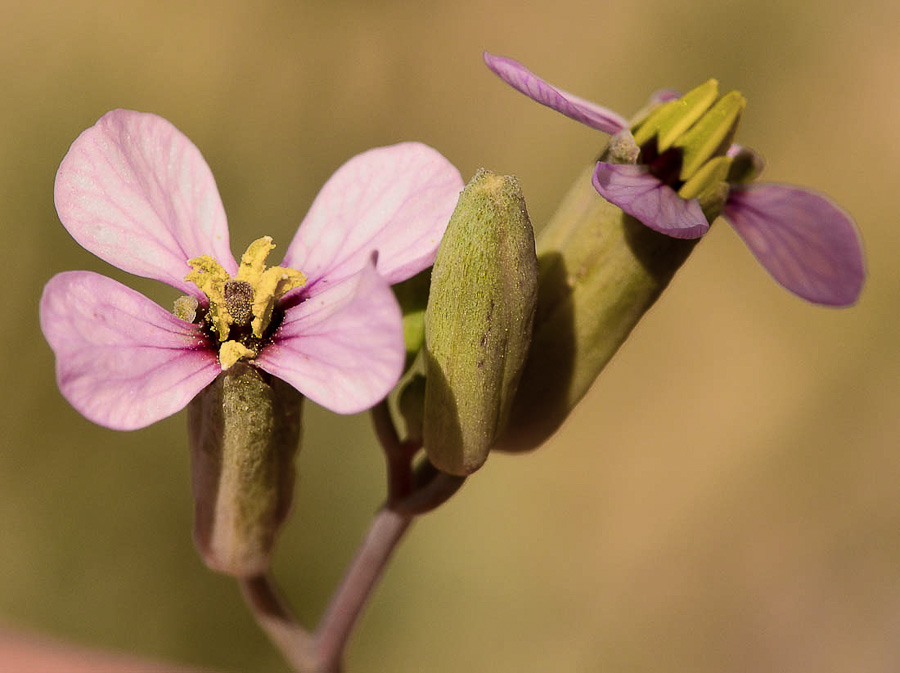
[803, 239]
[121, 360]
[394, 201]
[523, 80]
[644, 197]
[137, 193]
[342, 348]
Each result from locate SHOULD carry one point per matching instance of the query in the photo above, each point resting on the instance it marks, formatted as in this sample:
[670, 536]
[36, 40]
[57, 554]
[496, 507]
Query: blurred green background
[727, 498]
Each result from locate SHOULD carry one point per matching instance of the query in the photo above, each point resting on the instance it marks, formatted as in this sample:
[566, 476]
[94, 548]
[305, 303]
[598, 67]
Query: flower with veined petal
[803, 239]
[137, 193]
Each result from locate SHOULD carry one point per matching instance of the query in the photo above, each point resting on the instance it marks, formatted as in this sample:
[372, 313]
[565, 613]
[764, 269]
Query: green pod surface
[244, 432]
[478, 322]
[600, 271]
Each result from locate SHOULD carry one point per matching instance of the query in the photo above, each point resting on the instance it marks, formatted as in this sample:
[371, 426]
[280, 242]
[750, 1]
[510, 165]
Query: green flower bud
[478, 322]
[600, 271]
[244, 432]
[412, 295]
[411, 405]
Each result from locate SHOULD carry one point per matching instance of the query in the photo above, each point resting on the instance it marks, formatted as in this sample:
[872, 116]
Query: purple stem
[276, 619]
[323, 650]
[362, 576]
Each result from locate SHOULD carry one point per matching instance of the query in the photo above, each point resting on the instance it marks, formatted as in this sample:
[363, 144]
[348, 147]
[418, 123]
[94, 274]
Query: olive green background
[727, 497]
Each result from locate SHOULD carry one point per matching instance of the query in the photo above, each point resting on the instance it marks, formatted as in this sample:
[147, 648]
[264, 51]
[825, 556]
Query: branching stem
[412, 491]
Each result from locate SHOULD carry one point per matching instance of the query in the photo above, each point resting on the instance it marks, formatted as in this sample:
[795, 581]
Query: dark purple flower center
[665, 167]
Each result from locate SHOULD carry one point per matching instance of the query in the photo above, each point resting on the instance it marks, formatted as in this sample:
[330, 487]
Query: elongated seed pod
[244, 432]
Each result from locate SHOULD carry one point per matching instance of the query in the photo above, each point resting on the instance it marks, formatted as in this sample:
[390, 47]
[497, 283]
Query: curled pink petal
[804, 240]
[641, 195]
[121, 360]
[523, 80]
[393, 201]
[137, 193]
[343, 347]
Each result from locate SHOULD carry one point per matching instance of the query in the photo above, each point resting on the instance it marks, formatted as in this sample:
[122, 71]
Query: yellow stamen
[232, 351]
[272, 286]
[210, 277]
[267, 285]
[253, 262]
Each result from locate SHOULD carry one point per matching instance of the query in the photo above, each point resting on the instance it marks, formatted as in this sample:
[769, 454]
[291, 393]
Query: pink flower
[802, 238]
[137, 193]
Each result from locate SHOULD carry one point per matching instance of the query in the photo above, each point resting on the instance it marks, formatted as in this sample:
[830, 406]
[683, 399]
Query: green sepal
[711, 135]
[478, 322]
[673, 118]
[244, 431]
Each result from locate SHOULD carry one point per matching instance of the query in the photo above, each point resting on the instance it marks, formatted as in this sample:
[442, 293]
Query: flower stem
[362, 576]
[411, 492]
[274, 616]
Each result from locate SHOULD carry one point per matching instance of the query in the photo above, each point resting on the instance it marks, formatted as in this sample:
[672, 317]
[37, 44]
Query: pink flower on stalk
[137, 193]
[802, 238]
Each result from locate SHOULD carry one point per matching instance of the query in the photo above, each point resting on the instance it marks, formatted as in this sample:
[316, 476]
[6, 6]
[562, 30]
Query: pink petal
[137, 193]
[803, 239]
[523, 80]
[644, 197]
[121, 360]
[342, 348]
[394, 201]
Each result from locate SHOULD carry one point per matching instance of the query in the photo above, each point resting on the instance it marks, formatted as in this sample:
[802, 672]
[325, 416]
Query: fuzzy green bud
[478, 322]
[412, 295]
[244, 431]
[600, 271]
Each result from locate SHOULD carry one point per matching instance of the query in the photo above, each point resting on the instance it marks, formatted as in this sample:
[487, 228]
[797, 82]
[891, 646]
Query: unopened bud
[478, 322]
[244, 431]
[412, 295]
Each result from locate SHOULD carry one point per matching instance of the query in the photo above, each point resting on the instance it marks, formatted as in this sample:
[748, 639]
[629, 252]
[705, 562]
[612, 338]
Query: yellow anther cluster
[268, 286]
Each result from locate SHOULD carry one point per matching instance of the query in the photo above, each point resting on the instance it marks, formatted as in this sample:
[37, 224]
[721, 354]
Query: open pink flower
[137, 193]
[802, 238]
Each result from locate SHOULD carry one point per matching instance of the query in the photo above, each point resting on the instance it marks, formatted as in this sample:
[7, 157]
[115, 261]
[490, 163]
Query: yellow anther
[210, 277]
[253, 262]
[232, 351]
[260, 289]
[272, 286]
